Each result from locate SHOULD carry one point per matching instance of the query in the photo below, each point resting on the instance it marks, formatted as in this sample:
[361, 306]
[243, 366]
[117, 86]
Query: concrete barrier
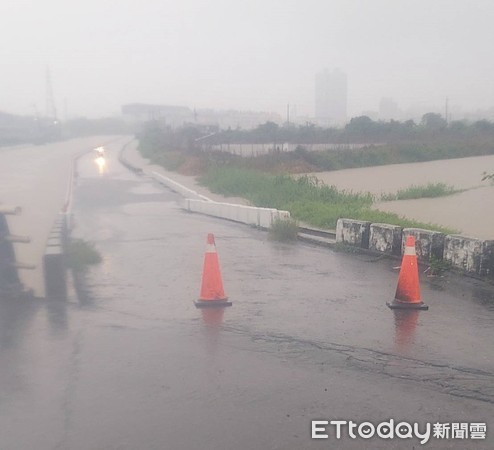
[428, 244]
[55, 273]
[353, 232]
[125, 162]
[250, 215]
[471, 255]
[177, 187]
[385, 238]
[54, 241]
[54, 264]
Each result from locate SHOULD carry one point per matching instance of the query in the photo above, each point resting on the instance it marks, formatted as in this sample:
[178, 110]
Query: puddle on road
[147, 208]
[105, 193]
[333, 311]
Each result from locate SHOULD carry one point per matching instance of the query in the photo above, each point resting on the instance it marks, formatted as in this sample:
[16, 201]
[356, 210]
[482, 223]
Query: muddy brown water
[470, 212]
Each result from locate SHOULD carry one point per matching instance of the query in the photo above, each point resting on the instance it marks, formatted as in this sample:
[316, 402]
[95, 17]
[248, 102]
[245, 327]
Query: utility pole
[288, 114]
[446, 111]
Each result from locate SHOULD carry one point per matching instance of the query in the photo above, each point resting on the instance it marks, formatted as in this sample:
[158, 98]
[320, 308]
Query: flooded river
[470, 212]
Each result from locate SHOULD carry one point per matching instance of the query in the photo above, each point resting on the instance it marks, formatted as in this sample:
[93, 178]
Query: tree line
[360, 130]
[392, 142]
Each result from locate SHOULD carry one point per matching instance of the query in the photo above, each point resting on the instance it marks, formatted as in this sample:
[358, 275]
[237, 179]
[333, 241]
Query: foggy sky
[251, 55]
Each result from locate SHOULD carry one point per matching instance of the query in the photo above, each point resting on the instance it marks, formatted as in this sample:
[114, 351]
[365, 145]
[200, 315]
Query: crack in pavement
[453, 380]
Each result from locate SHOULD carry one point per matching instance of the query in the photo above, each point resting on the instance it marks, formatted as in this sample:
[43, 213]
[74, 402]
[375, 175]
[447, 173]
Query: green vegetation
[284, 230]
[390, 153]
[379, 143]
[81, 255]
[263, 179]
[169, 160]
[437, 267]
[431, 190]
[306, 198]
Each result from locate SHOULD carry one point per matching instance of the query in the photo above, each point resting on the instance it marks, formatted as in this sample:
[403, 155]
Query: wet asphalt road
[131, 364]
[35, 178]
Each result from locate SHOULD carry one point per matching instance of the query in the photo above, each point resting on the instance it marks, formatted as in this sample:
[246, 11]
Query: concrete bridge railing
[54, 259]
[470, 255]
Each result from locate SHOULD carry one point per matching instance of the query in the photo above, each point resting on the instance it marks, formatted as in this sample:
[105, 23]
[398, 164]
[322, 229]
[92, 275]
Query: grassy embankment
[306, 198]
[258, 179]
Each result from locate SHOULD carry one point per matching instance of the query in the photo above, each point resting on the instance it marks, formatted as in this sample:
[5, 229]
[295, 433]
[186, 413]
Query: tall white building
[331, 92]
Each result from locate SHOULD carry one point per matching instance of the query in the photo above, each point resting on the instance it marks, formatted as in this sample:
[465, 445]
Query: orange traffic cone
[212, 293]
[408, 291]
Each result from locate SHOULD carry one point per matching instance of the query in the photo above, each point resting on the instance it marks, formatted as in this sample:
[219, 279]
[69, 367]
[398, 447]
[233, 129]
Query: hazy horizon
[256, 56]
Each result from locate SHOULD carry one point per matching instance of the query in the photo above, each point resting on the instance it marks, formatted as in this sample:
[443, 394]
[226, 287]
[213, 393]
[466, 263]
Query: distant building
[331, 92]
[388, 109]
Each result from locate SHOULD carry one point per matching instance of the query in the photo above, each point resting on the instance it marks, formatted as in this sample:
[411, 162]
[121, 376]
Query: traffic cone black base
[396, 304]
[212, 303]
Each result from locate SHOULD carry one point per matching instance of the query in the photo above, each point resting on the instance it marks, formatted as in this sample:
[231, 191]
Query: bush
[81, 255]
[430, 190]
[284, 230]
